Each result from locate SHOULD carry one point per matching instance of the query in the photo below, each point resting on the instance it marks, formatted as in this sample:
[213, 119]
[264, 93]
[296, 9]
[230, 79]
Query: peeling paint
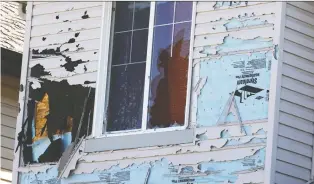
[233, 46]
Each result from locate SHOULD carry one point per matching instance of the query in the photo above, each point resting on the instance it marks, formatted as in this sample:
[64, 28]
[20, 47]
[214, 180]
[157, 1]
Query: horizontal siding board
[294, 146]
[299, 38]
[68, 16]
[77, 46]
[298, 86]
[6, 164]
[298, 74]
[62, 7]
[9, 110]
[219, 26]
[55, 61]
[299, 50]
[300, 26]
[8, 121]
[62, 38]
[293, 170]
[298, 62]
[285, 179]
[8, 131]
[297, 110]
[64, 27]
[7, 142]
[300, 14]
[7, 153]
[226, 14]
[293, 158]
[296, 122]
[216, 39]
[303, 5]
[295, 134]
[210, 6]
[297, 98]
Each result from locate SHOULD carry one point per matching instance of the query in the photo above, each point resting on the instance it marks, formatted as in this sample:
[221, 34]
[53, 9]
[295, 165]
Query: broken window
[149, 63]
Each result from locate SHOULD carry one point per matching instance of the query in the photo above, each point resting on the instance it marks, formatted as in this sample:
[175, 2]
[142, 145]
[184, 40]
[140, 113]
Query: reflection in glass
[123, 16]
[139, 45]
[121, 48]
[141, 15]
[183, 11]
[164, 12]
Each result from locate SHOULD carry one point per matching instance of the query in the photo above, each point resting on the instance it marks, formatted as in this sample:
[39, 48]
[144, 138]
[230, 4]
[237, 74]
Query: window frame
[103, 76]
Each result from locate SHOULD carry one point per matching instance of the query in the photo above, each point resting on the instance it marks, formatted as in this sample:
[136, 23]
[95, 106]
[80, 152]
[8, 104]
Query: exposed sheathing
[63, 61]
[230, 38]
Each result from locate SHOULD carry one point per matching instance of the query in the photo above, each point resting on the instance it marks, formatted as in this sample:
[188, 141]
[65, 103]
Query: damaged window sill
[139, 140]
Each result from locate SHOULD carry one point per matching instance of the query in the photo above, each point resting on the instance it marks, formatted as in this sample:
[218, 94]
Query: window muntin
[131, 53]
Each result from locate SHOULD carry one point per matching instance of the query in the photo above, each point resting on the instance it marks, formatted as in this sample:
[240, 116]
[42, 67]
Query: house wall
[9, 111]
[296, 106]
[232, 39]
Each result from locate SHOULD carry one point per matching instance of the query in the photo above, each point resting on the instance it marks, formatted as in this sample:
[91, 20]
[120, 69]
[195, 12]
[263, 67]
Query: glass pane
[126, 97]
[164, 12]
[159, 97]
[183, 11]
[139, 46]
[123, 16]
[181, 39]
[121, 48]
[141, 15]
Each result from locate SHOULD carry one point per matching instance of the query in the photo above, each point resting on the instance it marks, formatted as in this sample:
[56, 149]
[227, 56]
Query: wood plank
[7, 142]
[300, 14]
[67, 16]
[294, 146]
[293, 170]
[285, 179]
[300, 26]
[62, 38]
[76, 25]
[297, 98]
[297, 85]
[296, 110]
[7, 153]
[294, 158]
[8, 120]
[295, 134]
[303, 5]
[62, 7]
[298, 74]
[299, 50]
[298, 62]
[7, 131]
[296, 122]
[299, 38]
[227, 14]
[6, 164]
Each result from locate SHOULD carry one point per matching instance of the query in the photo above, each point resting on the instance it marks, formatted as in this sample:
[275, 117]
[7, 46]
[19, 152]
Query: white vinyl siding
[296, 118]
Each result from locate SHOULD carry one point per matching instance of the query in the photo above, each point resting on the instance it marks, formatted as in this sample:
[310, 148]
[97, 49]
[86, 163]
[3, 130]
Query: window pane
[141, 15]
[159, 100]
[181, 39]
[164, 12]
[123, 16]
[139, 45]
[121, 48]
[183, 11]
[126, 97]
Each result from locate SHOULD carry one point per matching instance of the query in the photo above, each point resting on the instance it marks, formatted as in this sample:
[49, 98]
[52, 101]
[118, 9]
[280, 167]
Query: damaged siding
[296, 109]
[233, 51]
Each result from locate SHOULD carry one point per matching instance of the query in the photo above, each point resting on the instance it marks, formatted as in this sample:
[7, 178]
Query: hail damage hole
[57, 17]
[44, 38]
[85, 16]
[21, 87]
[76, 34]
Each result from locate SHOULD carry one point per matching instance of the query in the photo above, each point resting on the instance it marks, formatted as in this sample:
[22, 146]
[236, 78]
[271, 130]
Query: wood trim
[274, 96]
[22, 95]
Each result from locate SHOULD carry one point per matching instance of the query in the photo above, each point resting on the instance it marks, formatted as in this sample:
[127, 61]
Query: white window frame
[103, 77]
